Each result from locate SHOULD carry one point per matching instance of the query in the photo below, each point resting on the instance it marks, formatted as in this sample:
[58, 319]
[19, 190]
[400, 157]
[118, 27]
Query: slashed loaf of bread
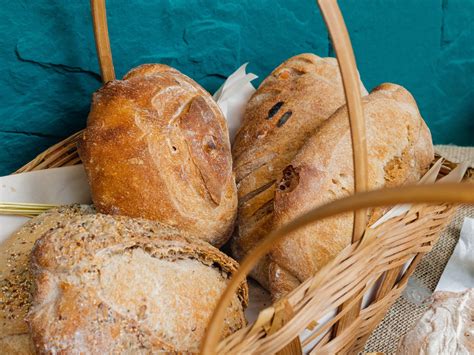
[400, 151]
[157, 147]
[286, 109]
[446, 328]
[16, 278]
[110, 284]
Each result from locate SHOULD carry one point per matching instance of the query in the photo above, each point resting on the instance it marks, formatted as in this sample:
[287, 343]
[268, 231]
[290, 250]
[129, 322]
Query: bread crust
[157, 147]
[445, 328]
[400, 151]
[290, 104]
[16, 278]
[113, 284]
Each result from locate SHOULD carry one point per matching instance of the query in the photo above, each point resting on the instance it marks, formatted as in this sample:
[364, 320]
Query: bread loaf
[446, 328]
[400, 151]
[16, 278]
[157, 147]
[110, 284]
[286, 109]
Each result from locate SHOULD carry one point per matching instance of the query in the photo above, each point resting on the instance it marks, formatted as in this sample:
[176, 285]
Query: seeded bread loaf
[16, 279]
[400, 151]
[286, 109]
[111, 284]
[157, 147]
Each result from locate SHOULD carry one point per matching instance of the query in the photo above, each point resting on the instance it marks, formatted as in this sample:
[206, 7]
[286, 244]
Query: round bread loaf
[157, 147]
[400, 151]
[289, 105]
[16, 278]
[111, 284]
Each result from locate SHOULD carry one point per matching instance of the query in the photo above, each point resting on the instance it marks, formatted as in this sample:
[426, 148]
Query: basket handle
[441, 193]
[102, 43]
[350, 79]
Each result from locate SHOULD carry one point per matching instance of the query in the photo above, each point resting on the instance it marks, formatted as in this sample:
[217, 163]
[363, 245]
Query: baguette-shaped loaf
[112, 284]
[288, 106]
[157, 147]
[400, 151]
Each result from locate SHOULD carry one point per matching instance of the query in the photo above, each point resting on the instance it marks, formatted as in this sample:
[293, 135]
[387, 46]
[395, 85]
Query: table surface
[414, 301]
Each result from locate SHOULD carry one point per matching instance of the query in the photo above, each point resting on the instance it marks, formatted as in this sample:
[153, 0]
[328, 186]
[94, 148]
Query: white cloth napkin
[59, 186]
[459, 272]
[232, 97]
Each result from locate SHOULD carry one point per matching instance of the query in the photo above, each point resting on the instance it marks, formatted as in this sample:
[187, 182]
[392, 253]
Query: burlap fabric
[414, 300]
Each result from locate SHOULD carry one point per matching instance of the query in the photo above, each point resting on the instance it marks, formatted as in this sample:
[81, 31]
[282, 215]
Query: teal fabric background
[49, 67]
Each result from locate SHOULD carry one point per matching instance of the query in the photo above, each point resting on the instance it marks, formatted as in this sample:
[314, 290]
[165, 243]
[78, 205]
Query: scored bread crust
[400, 151]
[16, 278]
[286, 109]
[114, 284]
[157, 146]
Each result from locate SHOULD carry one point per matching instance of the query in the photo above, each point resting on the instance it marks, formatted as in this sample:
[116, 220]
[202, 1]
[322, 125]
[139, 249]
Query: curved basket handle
[350, 80]
[102, 43]
[441, 193]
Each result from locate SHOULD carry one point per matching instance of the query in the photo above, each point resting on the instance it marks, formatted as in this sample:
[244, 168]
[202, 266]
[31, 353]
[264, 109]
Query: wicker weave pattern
[382, 250]
[349, 276]
[63, 153]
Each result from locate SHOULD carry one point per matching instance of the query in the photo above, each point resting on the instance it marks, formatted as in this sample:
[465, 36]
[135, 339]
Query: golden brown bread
[16, 279]
[285, 110]
[111, 284]
[157, 147]
[400, 151]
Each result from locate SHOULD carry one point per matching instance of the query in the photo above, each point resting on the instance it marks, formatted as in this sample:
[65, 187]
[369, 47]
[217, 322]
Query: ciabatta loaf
[109, 284]
[157, 147]
[400, 151]
[290, 104]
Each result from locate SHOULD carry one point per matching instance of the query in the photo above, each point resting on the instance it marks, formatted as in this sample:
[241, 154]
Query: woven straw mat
[414, 301]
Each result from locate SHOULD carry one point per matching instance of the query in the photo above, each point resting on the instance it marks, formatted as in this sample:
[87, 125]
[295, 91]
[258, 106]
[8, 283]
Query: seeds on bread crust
[113, 284]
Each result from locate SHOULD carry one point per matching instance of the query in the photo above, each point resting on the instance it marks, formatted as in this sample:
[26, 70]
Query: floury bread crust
[446, 328]
[16, 278]
[157, 147]
[111, 284]
[290, 104]
[400, 151]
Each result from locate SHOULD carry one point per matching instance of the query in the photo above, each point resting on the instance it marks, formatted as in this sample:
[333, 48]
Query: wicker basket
[374, 261]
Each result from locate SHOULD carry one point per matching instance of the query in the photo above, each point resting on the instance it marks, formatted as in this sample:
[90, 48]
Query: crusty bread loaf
[157, 147]
[400, 151]
[285, 110]
[16, 279]
[446, 328]
[111, 284]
